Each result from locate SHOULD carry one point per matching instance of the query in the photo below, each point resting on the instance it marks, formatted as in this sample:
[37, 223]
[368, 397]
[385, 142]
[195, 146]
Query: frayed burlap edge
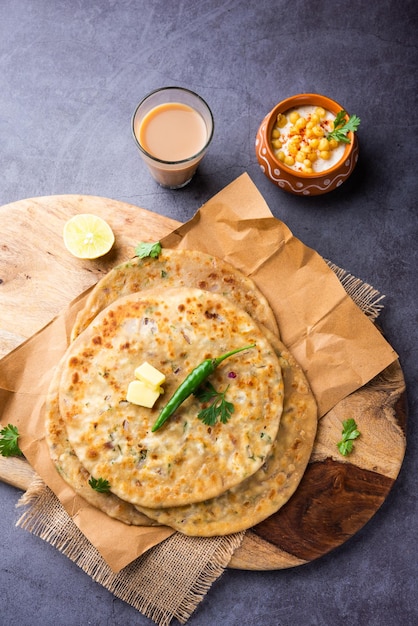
[367, 298]
[166, 582]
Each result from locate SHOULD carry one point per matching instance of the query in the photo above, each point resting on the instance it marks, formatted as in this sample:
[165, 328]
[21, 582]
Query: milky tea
[173, 135]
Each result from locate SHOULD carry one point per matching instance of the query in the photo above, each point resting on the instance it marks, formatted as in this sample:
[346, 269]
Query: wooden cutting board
[337, 495]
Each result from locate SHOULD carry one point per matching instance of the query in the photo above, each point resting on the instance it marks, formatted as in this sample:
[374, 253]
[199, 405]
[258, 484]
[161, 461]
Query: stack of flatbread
[175, 311]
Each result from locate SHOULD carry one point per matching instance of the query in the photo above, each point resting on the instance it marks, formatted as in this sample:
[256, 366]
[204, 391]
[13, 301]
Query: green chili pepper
[191, 383]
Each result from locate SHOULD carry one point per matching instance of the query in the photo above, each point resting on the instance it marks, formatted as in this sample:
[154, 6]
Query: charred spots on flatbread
[199, 454]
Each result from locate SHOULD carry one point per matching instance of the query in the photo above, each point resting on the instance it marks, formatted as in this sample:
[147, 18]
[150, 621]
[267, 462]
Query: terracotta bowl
[296, 182]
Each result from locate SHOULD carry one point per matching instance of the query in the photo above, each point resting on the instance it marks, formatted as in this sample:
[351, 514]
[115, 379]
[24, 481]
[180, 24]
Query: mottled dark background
[71, 73]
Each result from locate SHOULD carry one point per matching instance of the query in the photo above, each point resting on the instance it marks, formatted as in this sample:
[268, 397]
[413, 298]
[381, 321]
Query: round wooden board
[38, 277]
[337, 494]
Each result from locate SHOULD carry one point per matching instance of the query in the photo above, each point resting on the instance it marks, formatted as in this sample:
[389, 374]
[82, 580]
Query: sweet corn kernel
[281, 156]
[333, 143]
[314, 143]
[323, 144]
[293, 116]
[307, 170]
[318, 131]
[289, 160]
[275, 133]
[325, 154]
[277, 143]
[281, 120]
[300, 157]
[300, 123]
[314, 119]
[320, 112]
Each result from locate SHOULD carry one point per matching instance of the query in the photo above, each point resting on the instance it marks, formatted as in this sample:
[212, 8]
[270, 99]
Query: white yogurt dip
[299, 139]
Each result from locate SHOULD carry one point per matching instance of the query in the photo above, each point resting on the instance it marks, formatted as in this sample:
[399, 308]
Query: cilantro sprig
[342, 127]
[218, 408]
[349, 433]
[9, 445]
[99, 484]
[144, 249]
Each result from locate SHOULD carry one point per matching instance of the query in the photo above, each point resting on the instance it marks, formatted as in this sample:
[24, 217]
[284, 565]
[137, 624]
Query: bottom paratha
[274, 483]
[177, 268]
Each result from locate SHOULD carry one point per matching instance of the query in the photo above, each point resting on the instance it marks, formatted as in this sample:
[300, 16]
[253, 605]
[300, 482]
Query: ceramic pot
[296, 182]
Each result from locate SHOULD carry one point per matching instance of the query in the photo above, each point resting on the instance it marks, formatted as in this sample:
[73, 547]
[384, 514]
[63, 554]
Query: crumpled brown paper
[336, 344]
[338, 347]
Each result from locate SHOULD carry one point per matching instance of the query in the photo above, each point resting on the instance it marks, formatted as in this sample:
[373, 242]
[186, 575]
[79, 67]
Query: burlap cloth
[171, 579]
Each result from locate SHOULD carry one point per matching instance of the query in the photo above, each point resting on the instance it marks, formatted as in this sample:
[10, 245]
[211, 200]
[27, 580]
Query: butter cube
[149, 375]
[142, 394]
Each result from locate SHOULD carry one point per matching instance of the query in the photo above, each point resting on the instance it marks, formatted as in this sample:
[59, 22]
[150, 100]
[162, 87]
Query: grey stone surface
[71, 73]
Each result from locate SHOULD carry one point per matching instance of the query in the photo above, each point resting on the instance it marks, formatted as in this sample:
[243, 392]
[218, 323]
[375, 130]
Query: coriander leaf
[219, 407]
[339, 119]
[342, 127]
[205, 392]
[350, 429]
[349, 433]
[345, 447]
[227, 408]
[209, 416]
[144, 249]
[99, 484]
[9, 446]
[353, 123]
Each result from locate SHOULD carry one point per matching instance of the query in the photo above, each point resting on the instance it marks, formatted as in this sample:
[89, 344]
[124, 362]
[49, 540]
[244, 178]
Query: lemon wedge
[88, 236]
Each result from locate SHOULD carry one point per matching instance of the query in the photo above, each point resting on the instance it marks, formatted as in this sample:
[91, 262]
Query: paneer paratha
[177, 268]
[186, 461]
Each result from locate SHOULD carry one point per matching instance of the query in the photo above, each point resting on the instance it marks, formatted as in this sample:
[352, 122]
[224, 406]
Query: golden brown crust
[185, 461]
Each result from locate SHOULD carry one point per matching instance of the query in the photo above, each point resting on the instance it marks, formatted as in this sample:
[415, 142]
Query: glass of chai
[172, 128]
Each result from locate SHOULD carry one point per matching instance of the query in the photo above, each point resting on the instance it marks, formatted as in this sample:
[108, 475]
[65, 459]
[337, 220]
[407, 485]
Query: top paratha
[177, 268]
[185, 461]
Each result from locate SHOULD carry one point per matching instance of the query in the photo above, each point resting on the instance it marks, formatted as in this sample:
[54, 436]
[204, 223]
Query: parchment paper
[336, 344]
